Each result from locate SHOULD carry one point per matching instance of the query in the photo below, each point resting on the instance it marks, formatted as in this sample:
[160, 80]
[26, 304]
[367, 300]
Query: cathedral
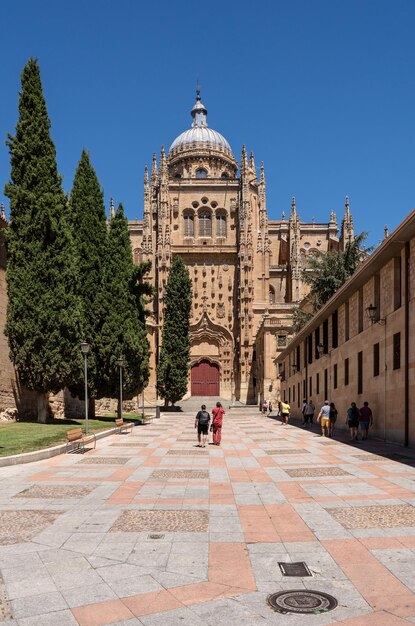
[246, 270]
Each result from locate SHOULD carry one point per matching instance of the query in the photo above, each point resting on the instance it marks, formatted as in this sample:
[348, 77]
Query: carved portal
[213, 342]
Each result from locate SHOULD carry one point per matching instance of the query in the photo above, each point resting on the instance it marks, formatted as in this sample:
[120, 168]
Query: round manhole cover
[302, 601]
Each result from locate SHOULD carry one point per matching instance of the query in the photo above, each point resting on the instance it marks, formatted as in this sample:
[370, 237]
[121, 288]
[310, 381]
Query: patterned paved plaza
[149, 530]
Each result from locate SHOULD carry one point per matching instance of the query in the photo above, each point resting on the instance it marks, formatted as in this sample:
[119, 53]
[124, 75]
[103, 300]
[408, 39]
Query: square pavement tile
[59, 492]
[20, 526]
[188, 452]
[132, 444]
[162, 521]
[288, 451]
[387, 516]
[180, 474]
[104, 460]
[305, 472]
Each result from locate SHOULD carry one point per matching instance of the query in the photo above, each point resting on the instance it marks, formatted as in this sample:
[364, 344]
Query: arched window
[271, 295]
[220, 224]
[224, 175]
[205, 224]
[201, 173]
[188, 224]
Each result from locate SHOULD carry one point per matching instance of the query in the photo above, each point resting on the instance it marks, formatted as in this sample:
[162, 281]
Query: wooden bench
[77, 440]
[123, 426]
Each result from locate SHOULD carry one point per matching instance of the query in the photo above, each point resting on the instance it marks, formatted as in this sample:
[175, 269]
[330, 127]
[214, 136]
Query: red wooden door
[205, 379]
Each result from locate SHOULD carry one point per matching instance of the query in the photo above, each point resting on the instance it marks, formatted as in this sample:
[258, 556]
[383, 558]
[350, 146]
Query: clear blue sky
[323, 91]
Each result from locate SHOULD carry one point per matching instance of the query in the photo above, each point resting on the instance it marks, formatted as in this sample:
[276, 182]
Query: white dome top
[200, 133]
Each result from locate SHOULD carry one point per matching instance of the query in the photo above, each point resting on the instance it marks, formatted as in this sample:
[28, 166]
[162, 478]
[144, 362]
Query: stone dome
[200, 134]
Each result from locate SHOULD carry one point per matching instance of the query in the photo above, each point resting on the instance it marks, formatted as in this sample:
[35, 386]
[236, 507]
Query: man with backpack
[202, 423]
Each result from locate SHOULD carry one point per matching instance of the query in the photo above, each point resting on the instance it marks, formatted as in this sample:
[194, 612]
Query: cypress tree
[173, 367]
[44, 320]
[123, 332]
[89, 229]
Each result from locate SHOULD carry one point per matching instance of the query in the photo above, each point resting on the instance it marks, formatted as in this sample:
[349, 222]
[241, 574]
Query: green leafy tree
[89, 229]
[44, 316]
[329, 271]
[173, 367]
[123, 331]
[300, 319]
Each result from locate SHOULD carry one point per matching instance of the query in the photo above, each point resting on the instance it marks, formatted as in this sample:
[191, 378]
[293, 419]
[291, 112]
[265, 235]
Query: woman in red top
[217, 419]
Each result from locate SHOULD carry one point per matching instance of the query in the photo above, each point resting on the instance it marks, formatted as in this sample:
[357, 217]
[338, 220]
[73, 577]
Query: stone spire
[262, 176]
[163, 167]
[2, 212]
[154, 172]
[244, 160]
[386, 232]
[147, 240]
[112, 209]
[293, 214]
[295, 262]
[347, 228]
[252, 164]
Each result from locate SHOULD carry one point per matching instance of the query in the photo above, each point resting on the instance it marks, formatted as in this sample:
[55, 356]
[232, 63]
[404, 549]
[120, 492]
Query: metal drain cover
[156, 536]
[302, 601]
[295, 569]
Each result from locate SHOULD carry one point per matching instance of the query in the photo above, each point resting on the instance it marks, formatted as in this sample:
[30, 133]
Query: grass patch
[27, 436]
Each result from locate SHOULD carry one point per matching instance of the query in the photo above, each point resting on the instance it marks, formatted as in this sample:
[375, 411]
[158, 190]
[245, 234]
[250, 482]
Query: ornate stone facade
[246, 270]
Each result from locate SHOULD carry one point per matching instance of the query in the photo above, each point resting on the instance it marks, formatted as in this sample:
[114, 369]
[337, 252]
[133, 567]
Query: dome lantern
[199, 136]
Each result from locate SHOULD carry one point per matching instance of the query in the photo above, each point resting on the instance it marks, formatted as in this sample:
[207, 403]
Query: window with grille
[205, 224]
[188, 225]
[220, 225]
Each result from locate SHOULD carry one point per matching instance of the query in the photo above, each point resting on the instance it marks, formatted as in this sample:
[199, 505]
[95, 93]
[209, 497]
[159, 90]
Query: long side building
[361, 345]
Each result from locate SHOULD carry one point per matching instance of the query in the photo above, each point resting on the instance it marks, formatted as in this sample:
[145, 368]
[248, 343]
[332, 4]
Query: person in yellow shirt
[285, 412]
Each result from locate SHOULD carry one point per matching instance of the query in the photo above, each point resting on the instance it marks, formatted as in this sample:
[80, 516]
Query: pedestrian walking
[352, 420]
[217, 421]
[332, 418]
[202, 420]
[264, 407]
[285, 412]
[269, 407]
[324, 418]
[365, 419]
[308, 411]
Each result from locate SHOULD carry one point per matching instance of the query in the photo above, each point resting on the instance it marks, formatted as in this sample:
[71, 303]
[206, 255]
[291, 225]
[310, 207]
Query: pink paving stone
[199, 592]
[148, 603]
[371, 577]
[266, 461]
[102, 613]
[229, 564]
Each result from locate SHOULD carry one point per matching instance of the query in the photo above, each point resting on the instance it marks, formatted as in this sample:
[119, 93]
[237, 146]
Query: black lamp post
[85, 349]
[120, 363]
